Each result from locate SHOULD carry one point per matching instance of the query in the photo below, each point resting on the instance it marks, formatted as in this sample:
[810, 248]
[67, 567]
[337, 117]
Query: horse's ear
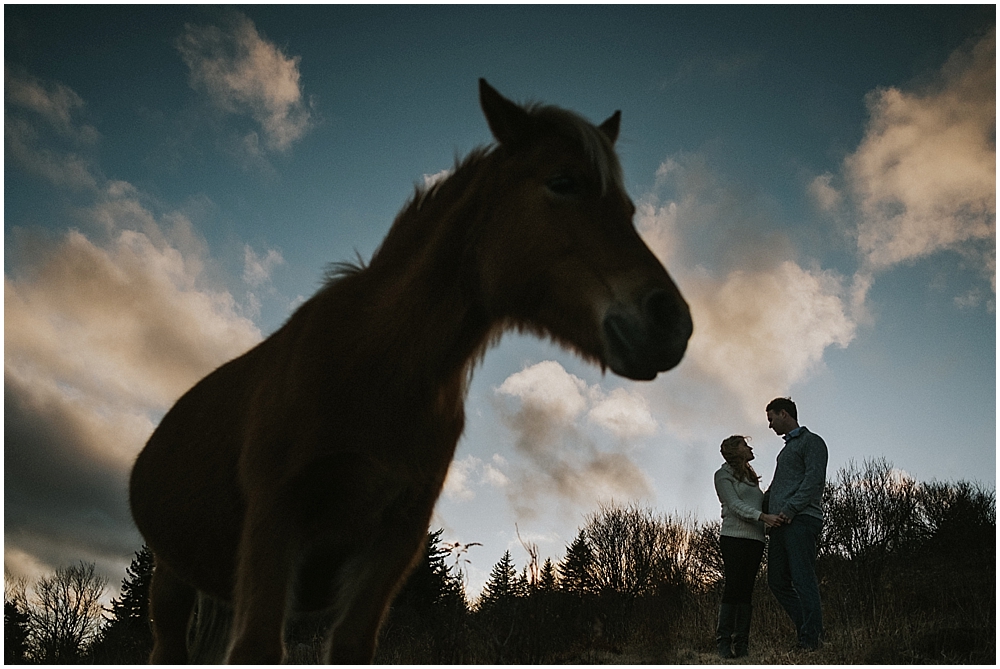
[508, 122]
[610, 127]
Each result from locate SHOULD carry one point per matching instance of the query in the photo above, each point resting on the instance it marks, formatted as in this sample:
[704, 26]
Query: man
[795, 518]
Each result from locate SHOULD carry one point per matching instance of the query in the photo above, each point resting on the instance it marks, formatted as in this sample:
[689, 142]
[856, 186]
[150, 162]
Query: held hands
[774, 520]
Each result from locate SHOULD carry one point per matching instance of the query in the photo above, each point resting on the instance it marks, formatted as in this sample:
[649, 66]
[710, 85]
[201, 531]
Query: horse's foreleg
[261, 595]
[353, 640]
[365, 597]
[171, 602]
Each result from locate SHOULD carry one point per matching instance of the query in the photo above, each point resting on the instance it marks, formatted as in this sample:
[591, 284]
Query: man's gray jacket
[799, 476]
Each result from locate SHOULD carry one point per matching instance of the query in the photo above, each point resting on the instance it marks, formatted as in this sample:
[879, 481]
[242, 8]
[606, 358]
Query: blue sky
[820, 182]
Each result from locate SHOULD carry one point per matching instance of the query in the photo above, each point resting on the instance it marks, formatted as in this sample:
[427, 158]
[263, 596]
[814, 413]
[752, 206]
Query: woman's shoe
[724, 631]
[741, 630]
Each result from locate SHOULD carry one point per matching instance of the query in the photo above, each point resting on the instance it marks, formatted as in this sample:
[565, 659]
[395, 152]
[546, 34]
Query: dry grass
[924, 610]
[949, 619]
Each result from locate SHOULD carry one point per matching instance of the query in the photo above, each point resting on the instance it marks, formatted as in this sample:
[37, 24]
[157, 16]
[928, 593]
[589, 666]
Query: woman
[742, 543]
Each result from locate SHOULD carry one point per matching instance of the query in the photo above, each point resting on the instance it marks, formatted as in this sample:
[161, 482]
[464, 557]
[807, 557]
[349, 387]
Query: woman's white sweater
[741, 505]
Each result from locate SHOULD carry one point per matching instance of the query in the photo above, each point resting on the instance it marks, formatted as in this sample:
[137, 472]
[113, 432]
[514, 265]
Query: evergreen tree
[126, 637]
[426, 623]
[547, 578]
[502, 586]
[575, 571]
[524, 585]
[431, 584]
[501, 621]
[15, 633]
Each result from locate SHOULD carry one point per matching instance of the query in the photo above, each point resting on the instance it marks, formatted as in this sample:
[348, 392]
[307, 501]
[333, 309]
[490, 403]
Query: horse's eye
[563, 185]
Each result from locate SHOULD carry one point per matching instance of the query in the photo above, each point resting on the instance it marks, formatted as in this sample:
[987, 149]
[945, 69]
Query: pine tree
[431, 584]
[547, 578]
[15, 633]
[502, 586]
[427, 619]
[524, 585]
[126, 637]
[575, 571]
[133, 602]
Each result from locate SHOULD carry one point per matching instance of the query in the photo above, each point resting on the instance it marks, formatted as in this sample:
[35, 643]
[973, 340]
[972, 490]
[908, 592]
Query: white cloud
[826, 197]
[924, 175]
[548, 388]
[457, 484]
[105, 326]
[257, 269]
[623, 413]
[758, 333]
[63, 170]
[243, 73]
[548, 409]
[128, 321]
[27, 100]
[56, 103]
[493, 472]
[762, 321]
[462, 476]
[922, 180]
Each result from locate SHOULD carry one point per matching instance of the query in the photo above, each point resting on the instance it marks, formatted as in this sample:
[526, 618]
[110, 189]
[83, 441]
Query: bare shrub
[960, 518]
[64, 614]
[871, 512]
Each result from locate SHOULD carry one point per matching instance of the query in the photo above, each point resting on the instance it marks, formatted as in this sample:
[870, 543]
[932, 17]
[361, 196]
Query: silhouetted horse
[301, 476]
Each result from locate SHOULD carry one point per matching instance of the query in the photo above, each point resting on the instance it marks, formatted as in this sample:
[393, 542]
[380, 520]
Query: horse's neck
[415, 314]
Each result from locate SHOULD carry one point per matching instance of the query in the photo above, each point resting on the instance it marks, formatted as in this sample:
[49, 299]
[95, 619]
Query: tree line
[907, 574]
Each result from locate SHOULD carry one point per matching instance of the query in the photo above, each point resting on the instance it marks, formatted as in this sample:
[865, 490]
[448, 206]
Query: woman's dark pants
[741, 559]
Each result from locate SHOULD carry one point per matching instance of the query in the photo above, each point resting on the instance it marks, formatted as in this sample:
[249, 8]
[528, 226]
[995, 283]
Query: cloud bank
[99, 342]
[105, 326]
[762, 320]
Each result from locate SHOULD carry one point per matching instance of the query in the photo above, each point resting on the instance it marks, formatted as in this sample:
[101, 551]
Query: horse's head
[559, 254]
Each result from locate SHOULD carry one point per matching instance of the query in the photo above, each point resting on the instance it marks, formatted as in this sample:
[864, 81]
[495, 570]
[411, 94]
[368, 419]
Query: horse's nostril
[640, 345]
[666, 313]
[660, 309]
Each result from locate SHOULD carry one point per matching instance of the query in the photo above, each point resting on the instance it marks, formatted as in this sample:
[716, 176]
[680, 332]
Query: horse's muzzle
[646, 339]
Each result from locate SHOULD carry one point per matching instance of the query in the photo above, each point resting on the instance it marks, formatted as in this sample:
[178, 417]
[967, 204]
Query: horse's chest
[384, 524]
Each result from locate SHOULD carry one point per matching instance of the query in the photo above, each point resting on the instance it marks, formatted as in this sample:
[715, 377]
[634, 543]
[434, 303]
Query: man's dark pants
[791, 575]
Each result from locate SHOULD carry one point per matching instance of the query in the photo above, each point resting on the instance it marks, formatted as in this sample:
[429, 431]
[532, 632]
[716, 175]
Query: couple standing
[792, 511]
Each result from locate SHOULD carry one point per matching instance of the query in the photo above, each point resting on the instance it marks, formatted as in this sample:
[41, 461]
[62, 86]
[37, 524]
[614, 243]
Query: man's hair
[783, 404]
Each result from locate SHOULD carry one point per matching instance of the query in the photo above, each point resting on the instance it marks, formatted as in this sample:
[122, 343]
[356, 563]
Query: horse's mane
[343, 268]
[457, 178]
[546, 119]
